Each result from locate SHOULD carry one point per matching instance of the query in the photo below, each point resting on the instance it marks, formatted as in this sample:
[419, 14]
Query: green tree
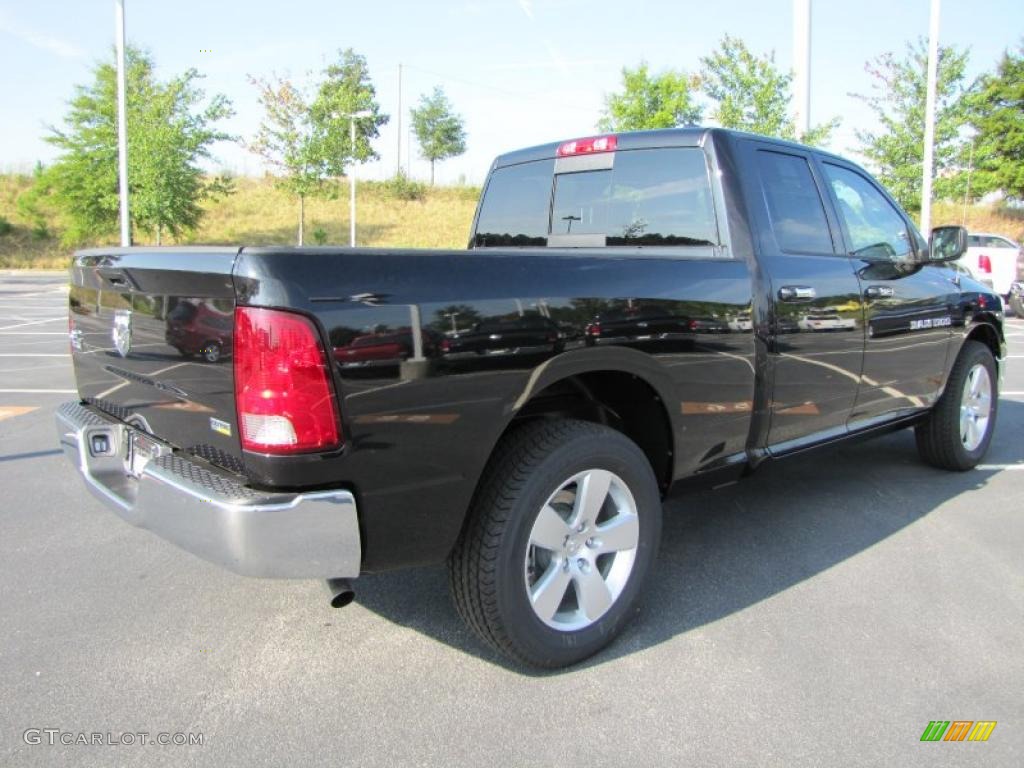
[170, 128]
[665, 100]
[287, 140]
[751, 94]
[345, 90]
[439, 130]
[898, 96]
[997, 114]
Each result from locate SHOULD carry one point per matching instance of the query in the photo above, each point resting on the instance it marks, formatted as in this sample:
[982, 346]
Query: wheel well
[987, 335]
[620, 400]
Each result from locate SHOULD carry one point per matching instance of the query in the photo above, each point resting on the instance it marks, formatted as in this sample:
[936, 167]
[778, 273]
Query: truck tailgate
[151, 336]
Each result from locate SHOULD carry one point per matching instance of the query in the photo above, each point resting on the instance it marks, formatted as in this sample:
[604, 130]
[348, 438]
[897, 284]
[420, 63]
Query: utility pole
[929, 121]
[122, 124]
[398, 155]
[802, 66]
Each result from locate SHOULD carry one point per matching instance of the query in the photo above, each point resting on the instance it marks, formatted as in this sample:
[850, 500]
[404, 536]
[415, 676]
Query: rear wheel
[211, 352]
[562, 533]
[957, 433]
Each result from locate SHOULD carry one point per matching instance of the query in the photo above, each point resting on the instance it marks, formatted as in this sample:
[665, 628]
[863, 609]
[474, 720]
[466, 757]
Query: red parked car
[197, 328]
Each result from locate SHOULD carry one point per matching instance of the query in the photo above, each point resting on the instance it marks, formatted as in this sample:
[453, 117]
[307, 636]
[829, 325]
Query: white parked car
[826, 319]
[993, 260]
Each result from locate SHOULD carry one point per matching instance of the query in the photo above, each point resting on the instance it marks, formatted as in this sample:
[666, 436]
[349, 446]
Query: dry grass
[258, 214]
[982, 218]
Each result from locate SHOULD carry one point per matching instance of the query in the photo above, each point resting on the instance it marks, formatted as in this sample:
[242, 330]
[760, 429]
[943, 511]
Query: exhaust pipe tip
[341, 592]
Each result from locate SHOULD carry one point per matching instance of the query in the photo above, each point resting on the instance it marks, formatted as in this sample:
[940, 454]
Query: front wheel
[562, 533]
[959, 429]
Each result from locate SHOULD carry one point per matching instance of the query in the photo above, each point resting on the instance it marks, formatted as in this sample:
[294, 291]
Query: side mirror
[947, 243]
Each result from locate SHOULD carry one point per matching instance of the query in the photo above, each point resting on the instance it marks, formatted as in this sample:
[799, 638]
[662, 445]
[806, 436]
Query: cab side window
[794, 205]
[875, 228]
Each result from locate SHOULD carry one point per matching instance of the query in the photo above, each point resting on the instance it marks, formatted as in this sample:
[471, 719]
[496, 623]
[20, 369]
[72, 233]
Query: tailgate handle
[116, 278]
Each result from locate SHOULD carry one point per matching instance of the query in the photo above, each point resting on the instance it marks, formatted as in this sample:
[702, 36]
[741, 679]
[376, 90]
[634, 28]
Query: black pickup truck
[633, 311]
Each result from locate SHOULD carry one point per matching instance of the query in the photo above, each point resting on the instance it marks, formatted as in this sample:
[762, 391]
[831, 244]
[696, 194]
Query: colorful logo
[958, 730]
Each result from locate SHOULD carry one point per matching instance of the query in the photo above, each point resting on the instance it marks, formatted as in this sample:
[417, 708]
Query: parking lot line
[34, 354]
[7, 411]
[34, 322]
[999, 467]
[38, 391]
[33, 333]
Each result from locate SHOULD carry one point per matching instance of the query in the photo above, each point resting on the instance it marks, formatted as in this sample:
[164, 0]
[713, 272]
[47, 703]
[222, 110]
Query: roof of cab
[666, 137]
[693, 136]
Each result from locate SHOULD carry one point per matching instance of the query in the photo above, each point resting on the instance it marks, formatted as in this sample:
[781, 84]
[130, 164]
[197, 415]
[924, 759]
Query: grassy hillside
[257, 213]
[260, 214]
[982, 218]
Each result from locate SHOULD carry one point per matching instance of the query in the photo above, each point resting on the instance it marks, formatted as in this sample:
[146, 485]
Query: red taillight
[588, 146]
[594, 329]
[282, 384]
[985, 264]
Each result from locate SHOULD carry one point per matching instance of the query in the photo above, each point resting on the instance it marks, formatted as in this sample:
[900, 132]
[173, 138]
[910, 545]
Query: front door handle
[796, 293]
[879, 292]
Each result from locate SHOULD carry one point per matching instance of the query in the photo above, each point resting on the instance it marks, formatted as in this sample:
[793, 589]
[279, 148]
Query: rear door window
[650, 197]
[794, 203]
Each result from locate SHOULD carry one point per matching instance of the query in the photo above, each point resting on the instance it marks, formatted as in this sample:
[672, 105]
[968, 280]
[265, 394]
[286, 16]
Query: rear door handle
[879, 291]
[796, 293]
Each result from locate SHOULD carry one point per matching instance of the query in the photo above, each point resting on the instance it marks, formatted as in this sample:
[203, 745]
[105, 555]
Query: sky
[520, 72]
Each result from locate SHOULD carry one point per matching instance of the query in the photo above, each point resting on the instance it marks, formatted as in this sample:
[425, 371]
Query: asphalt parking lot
[820, 613]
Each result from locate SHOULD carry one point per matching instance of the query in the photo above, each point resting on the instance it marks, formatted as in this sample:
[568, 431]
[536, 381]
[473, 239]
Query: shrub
[401, 187]
[5, 227]
[320, 236]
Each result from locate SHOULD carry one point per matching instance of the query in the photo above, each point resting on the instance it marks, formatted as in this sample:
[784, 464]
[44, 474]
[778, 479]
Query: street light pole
[352, 174]
[122, 124]
[802, 66]
[929, 121]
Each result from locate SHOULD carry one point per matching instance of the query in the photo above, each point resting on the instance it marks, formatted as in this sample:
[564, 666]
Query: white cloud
[527, 6]
[54, 45]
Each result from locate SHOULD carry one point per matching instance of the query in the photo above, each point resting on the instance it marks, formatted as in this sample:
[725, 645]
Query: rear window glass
[514, 211]
[794, 204]
[649, 197]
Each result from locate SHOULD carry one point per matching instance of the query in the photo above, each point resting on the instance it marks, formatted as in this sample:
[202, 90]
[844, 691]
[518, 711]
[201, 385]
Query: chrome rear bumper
[253, 533]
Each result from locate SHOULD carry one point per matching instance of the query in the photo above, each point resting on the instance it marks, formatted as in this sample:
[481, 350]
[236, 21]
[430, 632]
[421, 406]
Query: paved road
[821, 613]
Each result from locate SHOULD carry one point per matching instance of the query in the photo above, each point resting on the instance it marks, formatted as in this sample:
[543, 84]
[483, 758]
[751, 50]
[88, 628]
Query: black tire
[938, 438]
[487, 567]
